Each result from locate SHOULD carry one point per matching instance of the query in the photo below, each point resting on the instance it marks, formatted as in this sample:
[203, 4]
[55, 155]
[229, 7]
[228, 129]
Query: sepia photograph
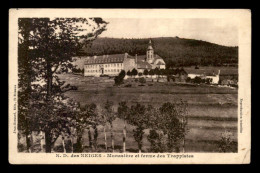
[149, 89]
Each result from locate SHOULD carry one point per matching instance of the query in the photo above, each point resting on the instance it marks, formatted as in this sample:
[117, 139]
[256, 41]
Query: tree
[120, 78]
[226, 142]
[163, 72]
[188, 79]
[156, 135]
[151, 72]
[145, 72]
[197, 80]
[157, 141]
[173, 123]
[123, 112]
[49, 46]
[157, 71]
[129, 73]
[142, 80]
[166, 72]
[134, 72]
[208, 80]
[122, 74]
[25, 76]
[79, 122]
[110, 117]
[91, 115]
[138, 118]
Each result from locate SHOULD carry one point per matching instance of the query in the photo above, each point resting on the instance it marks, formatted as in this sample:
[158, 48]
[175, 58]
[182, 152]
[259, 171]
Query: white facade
[113, 64]
[111, 69]
[215, 78]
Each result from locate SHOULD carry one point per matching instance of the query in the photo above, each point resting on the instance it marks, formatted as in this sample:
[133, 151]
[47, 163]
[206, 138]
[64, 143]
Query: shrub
[142, 80]
[168, 78]
[145, 72]
[151, 72]
[225, 143]
[188, 79]
[156, 140]
[140, 74]
[77, 70]
[208, 81]
[118, 80]
[129, 73]
[134, 72]
[74, 88]
[197, 80]
[122, 74]
[128, 85]
[157, 71]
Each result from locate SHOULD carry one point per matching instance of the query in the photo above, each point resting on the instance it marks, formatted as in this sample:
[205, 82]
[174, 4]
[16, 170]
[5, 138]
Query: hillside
[175, 51]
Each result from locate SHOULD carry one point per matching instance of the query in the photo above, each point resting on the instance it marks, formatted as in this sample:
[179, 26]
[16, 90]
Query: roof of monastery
[143, 65]
[115, 58]
[119, 58]
[160, 63]
[142, 57]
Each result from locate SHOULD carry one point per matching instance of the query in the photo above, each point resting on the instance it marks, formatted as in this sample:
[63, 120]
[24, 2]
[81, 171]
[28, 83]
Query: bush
[128, 85]
[156, 140]
[142, 80]
[77, 70]
[118, 80]
[151, 72]
[208, 81]
[145, 72]
[188, 79]
[104, 75]
[140, 74]
[226, 144]
[168, 78]
[197, 80]
[134, 72]
[129, 73]
[74, 88]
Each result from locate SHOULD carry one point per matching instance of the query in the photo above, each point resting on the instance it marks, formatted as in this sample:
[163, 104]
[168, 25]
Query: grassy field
[212, 110]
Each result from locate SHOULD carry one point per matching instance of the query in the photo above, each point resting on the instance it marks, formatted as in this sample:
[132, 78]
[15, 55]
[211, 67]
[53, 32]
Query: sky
[219, 31]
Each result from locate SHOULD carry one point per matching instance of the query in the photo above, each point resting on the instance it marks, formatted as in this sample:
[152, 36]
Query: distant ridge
[174, 50]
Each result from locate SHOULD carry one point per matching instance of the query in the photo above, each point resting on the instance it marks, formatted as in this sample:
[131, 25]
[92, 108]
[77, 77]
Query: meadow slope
[212, 110]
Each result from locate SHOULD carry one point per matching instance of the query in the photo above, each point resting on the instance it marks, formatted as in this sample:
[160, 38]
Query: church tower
[149, 53]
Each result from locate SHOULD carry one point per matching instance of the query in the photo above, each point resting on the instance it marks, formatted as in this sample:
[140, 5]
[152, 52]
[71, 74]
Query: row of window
[113, 70]
[114, 65]
[106, 65]
[95, 71]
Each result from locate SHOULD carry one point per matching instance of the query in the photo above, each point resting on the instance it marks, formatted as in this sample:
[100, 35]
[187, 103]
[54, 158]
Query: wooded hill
[175, 51]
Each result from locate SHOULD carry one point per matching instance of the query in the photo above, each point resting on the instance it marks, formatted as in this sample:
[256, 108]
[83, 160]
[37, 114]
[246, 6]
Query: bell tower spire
[150, 52]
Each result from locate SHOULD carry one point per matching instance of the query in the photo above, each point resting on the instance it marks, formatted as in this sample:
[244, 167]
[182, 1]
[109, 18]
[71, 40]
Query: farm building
[204, 75]
[112, 64]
